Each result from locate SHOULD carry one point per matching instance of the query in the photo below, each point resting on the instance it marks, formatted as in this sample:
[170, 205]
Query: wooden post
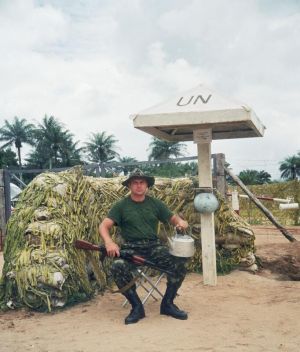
[2, 210]
[235, 201]
[207, 220]
[221, 184]
[4, 203]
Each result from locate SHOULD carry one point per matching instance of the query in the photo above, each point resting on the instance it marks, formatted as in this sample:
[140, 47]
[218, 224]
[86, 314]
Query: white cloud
[93, 63]
[26, 28]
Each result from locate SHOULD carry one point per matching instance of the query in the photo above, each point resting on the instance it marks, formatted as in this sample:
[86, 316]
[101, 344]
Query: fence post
[235, 201]
[221, 185]
[5, 206]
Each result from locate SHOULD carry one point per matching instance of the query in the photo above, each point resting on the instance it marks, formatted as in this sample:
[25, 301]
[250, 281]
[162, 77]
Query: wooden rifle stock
[124, 254]
[82, 244]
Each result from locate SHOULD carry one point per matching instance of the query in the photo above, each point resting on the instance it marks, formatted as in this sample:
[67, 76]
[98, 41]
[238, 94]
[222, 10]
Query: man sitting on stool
[138, 216]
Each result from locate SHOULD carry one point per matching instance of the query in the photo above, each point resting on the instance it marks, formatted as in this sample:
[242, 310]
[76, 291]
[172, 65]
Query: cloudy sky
[93, 63]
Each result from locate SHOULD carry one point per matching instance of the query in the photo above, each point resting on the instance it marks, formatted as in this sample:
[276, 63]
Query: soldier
[138, 216]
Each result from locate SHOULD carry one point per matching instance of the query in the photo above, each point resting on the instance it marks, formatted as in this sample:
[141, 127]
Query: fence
[271, 195]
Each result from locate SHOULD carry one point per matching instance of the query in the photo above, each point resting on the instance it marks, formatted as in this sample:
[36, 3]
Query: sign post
[201, 115]
[203, 138]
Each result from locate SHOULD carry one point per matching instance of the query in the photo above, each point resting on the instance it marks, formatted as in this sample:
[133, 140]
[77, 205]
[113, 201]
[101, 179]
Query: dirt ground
[244, 312]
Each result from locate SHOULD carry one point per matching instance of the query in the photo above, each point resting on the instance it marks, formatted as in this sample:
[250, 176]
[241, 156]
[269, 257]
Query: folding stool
[149, 284]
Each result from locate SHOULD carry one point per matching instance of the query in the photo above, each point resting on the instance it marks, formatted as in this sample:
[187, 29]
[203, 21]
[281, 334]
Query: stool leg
[153, 288]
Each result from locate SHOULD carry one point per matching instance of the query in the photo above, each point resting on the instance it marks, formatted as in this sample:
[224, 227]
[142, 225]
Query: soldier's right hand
[112, 249]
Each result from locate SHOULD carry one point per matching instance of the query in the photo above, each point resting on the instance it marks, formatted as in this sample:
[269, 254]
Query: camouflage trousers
[155, 252]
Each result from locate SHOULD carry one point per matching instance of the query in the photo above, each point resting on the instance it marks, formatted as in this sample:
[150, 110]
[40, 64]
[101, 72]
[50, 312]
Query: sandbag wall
[42, 269]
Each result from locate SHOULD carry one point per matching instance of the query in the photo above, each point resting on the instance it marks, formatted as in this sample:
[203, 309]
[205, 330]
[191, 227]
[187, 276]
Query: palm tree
[263, 177]
[8, 158]
[290, 167]
[127, 168]
[101, 149]
[54, 141]
[39, 157]
[162, 150]
[17, 132]
[70, 153]
[254, 177]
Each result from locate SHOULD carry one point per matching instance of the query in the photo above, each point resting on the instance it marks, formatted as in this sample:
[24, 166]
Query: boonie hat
[137, 173]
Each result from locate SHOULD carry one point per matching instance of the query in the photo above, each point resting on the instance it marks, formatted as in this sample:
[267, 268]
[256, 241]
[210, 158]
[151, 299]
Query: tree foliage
[254, 177]
[8, 158]
[290, 167]
[101, 147]
[162, 150]
[126, 168]
[54, 146]
[17, 133]
[172, 169]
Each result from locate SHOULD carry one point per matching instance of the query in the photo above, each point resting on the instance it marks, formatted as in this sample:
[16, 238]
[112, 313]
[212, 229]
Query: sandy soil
[244, 312]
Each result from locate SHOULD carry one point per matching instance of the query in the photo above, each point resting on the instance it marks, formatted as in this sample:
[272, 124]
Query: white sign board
[202, 136]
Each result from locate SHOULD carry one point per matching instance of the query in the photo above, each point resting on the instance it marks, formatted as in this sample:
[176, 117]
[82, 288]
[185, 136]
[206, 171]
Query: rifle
[124, 254]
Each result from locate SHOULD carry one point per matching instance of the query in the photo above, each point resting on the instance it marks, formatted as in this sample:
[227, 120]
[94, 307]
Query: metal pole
[21, 183]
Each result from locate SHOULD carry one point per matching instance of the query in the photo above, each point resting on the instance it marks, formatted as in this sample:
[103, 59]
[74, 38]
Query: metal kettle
[181, 245]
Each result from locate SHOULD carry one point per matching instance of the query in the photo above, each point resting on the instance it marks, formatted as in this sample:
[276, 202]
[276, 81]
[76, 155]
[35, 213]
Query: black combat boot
[167, 306]
[137, 312]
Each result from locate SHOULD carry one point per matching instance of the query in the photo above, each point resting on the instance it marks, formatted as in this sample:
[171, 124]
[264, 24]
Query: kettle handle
[177, 231]
[187, 231]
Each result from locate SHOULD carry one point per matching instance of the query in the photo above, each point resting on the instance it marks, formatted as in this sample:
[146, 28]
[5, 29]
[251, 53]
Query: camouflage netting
[43, 270]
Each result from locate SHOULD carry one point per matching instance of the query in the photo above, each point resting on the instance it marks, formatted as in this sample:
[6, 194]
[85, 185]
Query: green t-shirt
[139, 220]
